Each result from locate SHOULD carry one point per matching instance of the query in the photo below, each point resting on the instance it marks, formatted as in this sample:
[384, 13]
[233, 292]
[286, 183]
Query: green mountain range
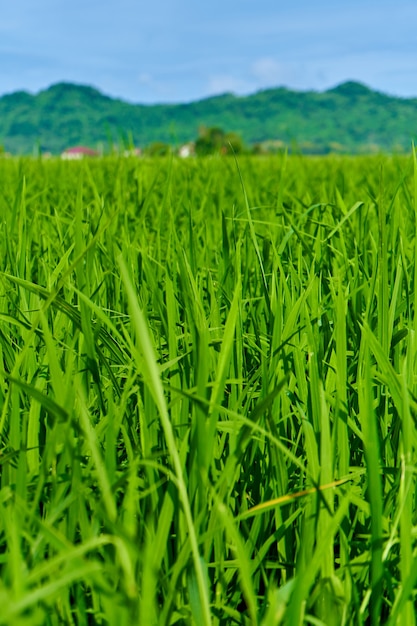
[348, 118]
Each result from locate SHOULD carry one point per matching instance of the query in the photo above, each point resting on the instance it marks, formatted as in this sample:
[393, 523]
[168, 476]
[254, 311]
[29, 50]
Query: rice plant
[208, 391]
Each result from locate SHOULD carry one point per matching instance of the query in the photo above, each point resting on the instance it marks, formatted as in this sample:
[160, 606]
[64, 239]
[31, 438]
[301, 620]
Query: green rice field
[208, 391]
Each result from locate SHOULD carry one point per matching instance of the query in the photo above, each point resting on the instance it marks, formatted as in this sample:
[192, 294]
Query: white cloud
[145, 78]
[262, 73]
[267, 70]
[221, 83]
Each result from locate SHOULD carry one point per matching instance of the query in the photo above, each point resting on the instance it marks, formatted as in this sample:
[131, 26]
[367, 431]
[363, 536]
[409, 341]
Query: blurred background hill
[348, 118]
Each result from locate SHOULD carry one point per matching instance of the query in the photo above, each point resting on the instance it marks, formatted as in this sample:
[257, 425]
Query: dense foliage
[217, 141]
[349, 118]
[208, 392]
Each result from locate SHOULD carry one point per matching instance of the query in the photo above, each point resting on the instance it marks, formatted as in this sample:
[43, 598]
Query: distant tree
[215, 140]
[157, 148]
[210, 140]
[234, 143]
[257, 148]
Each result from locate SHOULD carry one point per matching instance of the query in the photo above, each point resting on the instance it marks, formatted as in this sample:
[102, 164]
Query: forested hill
[350, 117]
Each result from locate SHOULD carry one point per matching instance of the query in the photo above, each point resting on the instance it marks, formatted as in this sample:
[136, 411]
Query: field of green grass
[208, 392]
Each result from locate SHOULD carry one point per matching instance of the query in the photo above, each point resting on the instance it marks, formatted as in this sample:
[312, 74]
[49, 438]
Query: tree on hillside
[215, 140]
[157, 148]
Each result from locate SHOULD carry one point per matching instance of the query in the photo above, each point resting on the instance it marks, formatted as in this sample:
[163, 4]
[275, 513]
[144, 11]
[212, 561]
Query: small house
[78, 152]
[187, 150]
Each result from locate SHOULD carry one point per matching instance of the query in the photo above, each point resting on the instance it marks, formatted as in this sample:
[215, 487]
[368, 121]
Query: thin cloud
[181, 51]
[269, 72]
[222, 83]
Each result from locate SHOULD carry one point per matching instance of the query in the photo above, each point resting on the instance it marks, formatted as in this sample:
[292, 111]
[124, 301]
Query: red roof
[81, 150]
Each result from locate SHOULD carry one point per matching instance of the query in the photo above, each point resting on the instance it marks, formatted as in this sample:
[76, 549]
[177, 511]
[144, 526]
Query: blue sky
[183, 50]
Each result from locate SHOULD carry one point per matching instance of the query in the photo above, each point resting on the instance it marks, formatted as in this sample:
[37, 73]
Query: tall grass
[208, 391]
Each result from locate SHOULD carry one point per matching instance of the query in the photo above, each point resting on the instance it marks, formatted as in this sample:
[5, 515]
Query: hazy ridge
[348, 118]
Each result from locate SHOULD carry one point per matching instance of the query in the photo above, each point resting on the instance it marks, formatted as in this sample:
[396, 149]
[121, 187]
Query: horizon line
[103, 93]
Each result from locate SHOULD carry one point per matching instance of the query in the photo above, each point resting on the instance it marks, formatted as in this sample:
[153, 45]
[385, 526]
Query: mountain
[350, 117]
